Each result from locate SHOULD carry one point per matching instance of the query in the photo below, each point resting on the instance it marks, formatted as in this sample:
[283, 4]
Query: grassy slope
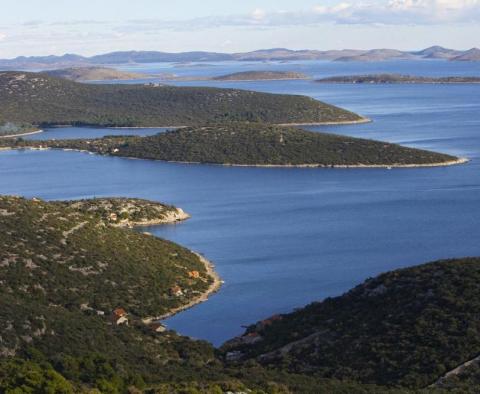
[253, 144]
[406, 327]
[43, 100]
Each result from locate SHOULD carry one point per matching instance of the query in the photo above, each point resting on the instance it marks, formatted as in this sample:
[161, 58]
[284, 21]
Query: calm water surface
[281, 238]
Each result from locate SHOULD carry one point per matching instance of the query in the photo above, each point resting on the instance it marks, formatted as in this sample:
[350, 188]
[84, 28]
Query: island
[252, 144]
[94, 73]
[398, 79]
[411, 328]
[261, 76]
[43, 101]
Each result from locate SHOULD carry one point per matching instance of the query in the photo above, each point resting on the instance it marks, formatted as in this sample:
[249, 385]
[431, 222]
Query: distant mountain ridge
[273, 54]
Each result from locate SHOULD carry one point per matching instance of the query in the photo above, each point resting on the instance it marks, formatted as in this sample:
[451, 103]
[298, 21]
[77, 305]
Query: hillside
[74, 290]
[397, 78]
[273, 54]
[407, 327]
[80, 74]
[261, 75]
[472, 55]
[43, 100]
[254, 145]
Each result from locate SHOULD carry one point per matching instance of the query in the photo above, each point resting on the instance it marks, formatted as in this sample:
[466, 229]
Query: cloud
[368, 12]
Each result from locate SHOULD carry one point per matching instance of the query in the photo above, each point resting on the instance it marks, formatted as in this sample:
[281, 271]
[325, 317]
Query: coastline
[458, 161]
[22, 134]
[362, 120]
[174, 217]
[171, 217]
[212, 289]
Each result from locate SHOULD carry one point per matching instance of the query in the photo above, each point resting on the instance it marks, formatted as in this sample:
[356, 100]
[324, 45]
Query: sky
[88, 27]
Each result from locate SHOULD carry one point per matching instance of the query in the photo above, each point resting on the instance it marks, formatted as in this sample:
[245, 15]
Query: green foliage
[398, 78]
[252, 144]
[406, 327]
[43, 100]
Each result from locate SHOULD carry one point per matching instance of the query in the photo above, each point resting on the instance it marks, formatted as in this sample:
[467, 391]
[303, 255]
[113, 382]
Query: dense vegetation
[407, 327]
[260, 75]
[93, 74]
[397, 78]
[64, 268]
[61, 265]
[251, 144]
[43, 100]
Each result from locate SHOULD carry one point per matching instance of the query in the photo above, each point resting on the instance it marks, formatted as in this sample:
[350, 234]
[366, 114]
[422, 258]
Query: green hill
[43, 100]
[404, 328]
[253, 144]
[67, 275]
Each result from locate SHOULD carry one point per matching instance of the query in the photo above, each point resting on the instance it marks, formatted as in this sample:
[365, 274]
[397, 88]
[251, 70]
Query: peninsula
[253, 144]
[42, 100]
[398, 79]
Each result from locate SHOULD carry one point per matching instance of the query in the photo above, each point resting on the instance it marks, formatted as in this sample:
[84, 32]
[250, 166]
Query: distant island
[398, 78]
[80, 74]
[251, 144]
[273, 54]
[41, 100]
[412, 328]
[261, 76]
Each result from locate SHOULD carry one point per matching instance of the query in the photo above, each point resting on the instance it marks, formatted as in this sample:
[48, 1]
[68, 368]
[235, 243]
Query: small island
[261, 76]
[253, 144]
[93, 73]
[397, 79]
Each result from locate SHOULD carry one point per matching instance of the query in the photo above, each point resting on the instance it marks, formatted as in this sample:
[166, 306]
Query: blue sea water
[281, 238]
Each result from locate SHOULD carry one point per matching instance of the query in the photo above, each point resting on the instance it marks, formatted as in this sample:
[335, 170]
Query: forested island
[398, 78]
[42, 100]
[261, 76]
[78, 294]
[252, 144]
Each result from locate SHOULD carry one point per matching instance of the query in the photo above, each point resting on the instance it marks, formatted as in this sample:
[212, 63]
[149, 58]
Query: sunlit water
[281, 238]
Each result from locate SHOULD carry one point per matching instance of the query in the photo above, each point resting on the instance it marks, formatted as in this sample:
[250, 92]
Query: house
[157, 327]
[119, 317]
[194, 274]
[113, 217]
[176, 291]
